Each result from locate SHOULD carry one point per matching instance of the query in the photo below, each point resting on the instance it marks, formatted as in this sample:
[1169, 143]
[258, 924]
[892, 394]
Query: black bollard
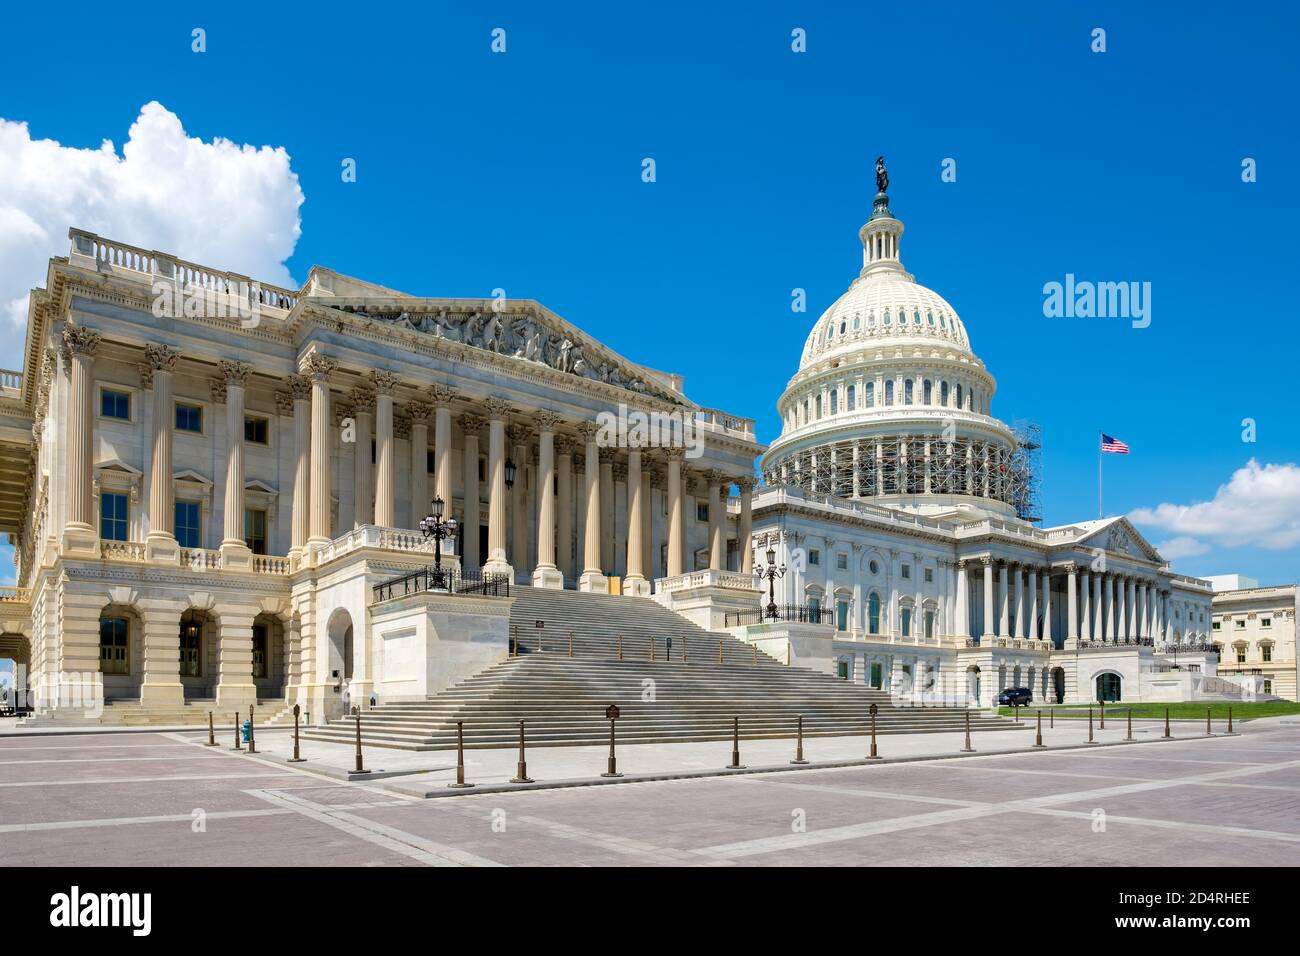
[237, 744]
[1209, 732]
[798, 750]
[1102, 725]
[612, 765]
[735, 746]
[874, 754]
[1231, 732]
[1051, 719]
[360, 767]
[295, 758]
[1166, 723]
[252, 740]
[460, 783]
[1129, 734]
[521, 769]
[1090, 740]
[1038, 736]
[212, 737]
[968, 749]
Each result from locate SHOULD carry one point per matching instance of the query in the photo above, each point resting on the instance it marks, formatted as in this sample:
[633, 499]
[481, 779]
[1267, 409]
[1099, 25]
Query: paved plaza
[163, 798]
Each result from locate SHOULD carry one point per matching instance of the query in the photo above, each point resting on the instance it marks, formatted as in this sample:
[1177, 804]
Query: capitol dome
[889, 401]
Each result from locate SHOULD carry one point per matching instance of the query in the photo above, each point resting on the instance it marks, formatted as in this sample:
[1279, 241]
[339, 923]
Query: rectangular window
[113, 516]
[929, 575]
[189, 418]
[929, 624]
[1241, 655]
[113, 641]
[877, 675]
[842, 562]
[1215, 626]
[842, 669]
[261, 643]
[701, 511]
[907, 571]
[257, 430]
[429, 460]
[1266, 651]
[482, 470]
[814, 556]
[841, 615]
[115, 404]
[1265, 622]
[1241, 625]
[187, 524]
[255, 530]
[191, 639]
[907, 622]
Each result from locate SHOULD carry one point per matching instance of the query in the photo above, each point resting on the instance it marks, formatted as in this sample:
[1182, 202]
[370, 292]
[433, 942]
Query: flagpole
[1101, 513]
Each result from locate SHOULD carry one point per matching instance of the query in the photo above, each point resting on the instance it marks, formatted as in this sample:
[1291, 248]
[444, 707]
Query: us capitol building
[208, 482]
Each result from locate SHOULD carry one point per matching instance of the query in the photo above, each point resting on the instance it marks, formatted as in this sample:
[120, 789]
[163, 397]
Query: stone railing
[122, 550]
[722, 421]
[200, 559]
[15, 595]
[10, 379]
[270, 564]
[384, 539]
[117, 256]
[705, 579]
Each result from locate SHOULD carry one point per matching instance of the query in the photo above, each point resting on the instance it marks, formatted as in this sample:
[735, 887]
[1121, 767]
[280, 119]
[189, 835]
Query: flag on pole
[1113, 445]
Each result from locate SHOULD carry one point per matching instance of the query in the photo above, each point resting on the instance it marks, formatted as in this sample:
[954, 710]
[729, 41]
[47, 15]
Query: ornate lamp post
[770, 573]
[433, 526]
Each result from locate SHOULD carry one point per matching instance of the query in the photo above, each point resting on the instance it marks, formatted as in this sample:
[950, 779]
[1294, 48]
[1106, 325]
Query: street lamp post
[770, 573]
[433, 526]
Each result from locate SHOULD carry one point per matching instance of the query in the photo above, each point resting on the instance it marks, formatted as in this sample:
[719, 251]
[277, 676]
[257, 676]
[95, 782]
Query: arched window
[959, 395]
[835, 401]
[841, 328]
[853, 397]
[929, 318]
[873, 613]
[830, 332]
[871, 394]
[871, 320]
[905, 621]
[807, 416]
[916, 317]
[907, 391]
[886, 316]
[857, 321]
[889, 391]
[943, 321]
[819, 406]
[928, 393]
[943, 394]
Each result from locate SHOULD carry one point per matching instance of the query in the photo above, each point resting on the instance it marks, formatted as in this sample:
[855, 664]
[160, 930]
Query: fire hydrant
[247, 727]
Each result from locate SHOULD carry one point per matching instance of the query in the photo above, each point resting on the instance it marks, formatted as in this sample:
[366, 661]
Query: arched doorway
[973, 684]
[339, 631]
[1058, 685]
[15, 658]
[1108, 686]
[269, 656]
[121, 663]
[198, 650]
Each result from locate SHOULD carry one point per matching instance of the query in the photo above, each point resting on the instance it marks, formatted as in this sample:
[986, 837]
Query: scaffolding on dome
[1025, 468]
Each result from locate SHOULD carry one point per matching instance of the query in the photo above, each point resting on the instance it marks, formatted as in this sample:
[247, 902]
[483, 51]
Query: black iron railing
[450, 580]
[1125, 642]
[793, 613]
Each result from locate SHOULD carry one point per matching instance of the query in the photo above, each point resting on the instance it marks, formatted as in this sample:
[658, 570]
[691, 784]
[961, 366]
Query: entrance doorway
[1108, 687]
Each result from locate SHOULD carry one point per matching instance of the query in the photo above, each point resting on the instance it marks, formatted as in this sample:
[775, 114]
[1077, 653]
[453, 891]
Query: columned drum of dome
[890, 402]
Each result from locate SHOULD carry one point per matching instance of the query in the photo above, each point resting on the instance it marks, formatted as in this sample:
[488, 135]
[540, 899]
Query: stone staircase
[563, 698]
[130, 713]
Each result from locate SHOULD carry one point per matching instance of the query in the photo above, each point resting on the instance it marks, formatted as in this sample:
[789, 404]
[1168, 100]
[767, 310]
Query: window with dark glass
[256, 430]
[255, 530]
[261, 642]
[114, 637]
[187, 524]
[429, 461]
[115, 404]
[113, 516]
[189, 418]
[191, 644]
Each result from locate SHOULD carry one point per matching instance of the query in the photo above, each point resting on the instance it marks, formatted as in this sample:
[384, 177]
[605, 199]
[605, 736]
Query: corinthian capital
[80, 340]
[498, 408]
[546, 421]
[363, 400]
[161, 358]
[235, 373]
[419, 411]
[299, 386]
[441, 395]
[383, 381]
[318, 367]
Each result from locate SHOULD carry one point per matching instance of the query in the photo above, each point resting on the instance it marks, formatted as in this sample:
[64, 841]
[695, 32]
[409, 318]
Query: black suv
[1016, 697]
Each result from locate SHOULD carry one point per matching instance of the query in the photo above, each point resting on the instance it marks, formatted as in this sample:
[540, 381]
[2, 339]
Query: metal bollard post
[460, 783]
[874, 754]
[1051, 719]
[611, 713]
[1209, 732]
[1166, 723]
[968, 749]
[1090, 740]
[521, 770]
[798, 750]
[212, 738]
[1102, 725]
[1231, 732]
[719, 651]
[570, 643]
[252, 742]
[237, 745]
[360, 767]
[295, 758]
[1038, 736]
[735, 746]
[1129, 733]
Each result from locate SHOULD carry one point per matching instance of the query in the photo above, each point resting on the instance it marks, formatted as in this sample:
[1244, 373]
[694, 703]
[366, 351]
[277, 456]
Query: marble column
[605, 514]
[470, 425]
[987, 636]
[715, 480]
[385, 450]
[443, 486]
[497, 563]
[520, 435]
[1085, 607]
[1072, 605]
[419, 490]
[1033, 603]
[363, 493]
[1047, 605]
[676, 528]
[1004, 599]
[635, 582]
[318, 368]
[564, 505]
[546, 574]
[649, 567]
[592, 578]
[234, 552]
[962, 622]
[1125, 602]
[1112, 609]
[745, 531]
[80, 535]
[160, 544]
[300, 389]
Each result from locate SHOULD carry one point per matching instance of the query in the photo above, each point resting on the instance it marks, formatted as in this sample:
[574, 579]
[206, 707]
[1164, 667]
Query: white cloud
[219, 204]
[1259, 506]
[1182, 547]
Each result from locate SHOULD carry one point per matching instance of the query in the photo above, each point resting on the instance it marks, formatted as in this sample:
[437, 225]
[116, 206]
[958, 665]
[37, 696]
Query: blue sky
[522, 171]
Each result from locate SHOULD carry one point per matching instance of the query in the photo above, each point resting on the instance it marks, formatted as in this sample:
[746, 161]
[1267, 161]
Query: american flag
[1113, 444]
